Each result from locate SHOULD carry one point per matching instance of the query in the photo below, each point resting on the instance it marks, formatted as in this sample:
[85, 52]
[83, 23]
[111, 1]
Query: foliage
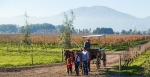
[146, 66]
[8, 28]
[66, 31]
[40, 28]
[103, 31]
[26, 37]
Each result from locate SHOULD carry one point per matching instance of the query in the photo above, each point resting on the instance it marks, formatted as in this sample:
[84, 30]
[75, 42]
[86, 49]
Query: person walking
[85, 59]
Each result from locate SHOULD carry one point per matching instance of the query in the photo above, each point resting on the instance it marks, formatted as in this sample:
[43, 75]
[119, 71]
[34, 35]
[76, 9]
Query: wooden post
[7, 48]
[32, 56]
[119, 62]
[18, 47]
[62, 55]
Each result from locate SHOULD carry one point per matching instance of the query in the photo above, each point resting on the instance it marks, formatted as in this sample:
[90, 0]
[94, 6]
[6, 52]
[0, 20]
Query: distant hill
[89, 17]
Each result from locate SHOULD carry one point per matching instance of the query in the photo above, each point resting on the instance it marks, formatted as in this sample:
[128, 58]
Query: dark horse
[68, 54]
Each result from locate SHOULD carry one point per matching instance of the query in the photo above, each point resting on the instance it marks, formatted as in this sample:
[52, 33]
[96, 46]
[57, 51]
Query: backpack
[76, 59]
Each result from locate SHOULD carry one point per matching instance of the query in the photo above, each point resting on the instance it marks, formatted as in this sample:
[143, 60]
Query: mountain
[89, 17]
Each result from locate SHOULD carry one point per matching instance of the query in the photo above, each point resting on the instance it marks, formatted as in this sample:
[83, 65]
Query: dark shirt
[87, 45]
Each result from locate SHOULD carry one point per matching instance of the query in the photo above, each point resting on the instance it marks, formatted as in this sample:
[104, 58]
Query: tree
[130, 31]
[135, 31]
[148, 31]
[103, 31]
[8, 28]
[66, 31]
[123, 32]
[26, 37]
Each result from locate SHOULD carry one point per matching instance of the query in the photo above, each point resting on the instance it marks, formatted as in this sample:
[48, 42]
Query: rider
[87, 44]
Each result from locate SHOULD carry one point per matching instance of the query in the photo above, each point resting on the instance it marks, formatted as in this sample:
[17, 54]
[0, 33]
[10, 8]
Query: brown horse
[68, 54]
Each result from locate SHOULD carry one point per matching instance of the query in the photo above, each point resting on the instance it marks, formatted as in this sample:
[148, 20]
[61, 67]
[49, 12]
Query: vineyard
[53, 39]
[45, 47]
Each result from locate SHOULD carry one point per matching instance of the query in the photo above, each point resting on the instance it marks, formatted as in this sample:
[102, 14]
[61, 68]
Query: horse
[68, 54]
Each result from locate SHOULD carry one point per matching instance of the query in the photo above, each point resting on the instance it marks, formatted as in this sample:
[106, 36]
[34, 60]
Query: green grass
[134, 69]
[13, 57]
[125, 46]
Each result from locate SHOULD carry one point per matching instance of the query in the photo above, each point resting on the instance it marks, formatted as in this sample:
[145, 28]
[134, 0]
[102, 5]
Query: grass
[134, 69]
[14, 57]
[125, 46]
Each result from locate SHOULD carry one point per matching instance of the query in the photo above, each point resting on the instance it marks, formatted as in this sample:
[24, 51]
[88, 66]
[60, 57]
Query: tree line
[34, 28]
[50, 28]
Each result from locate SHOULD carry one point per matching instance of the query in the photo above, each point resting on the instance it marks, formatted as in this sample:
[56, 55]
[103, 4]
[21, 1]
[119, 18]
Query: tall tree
[148, 31]
[26, 37]
[66, 31]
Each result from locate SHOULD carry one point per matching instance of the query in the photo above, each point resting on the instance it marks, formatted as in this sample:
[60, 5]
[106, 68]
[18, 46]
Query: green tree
[148, 31]
[26, 34]
[66, 31]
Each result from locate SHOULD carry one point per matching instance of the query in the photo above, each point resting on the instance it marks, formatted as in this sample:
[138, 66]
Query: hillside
[89, 17]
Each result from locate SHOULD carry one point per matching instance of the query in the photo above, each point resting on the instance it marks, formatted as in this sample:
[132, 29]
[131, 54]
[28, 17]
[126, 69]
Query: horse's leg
[104, 62]
[89, 66]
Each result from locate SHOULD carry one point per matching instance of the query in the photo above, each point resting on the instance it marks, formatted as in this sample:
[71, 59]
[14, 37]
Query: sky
[43, 8]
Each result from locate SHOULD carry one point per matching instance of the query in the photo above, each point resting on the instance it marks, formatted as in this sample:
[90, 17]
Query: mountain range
[89, 17]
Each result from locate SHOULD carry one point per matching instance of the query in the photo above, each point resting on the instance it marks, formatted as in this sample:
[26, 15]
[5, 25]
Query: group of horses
[99, 56]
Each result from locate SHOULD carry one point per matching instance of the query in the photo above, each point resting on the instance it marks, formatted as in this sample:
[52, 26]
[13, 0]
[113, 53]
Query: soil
[58, 70]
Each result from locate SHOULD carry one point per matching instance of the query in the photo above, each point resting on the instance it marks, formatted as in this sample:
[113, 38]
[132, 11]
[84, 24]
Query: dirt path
[57, 71]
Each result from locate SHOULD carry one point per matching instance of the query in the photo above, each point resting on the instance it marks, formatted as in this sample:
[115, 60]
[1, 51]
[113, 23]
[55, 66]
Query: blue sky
[42, 8]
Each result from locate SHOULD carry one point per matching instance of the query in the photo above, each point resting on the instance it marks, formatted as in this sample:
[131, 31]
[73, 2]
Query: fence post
[62, 55]
[7, 48]
[119, 62]
[32, 56]
[18, 47]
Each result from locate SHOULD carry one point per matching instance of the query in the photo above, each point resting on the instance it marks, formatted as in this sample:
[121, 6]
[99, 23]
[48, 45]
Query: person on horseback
[87, 44]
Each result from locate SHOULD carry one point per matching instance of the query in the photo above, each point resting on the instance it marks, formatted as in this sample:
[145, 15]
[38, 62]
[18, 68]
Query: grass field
[12, 55]
[24, 58]
[45, 48]
[135, 69]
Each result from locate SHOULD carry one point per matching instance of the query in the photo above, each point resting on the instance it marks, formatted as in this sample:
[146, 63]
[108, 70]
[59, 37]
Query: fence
[129, 55]
[12, 56]
[132, 53]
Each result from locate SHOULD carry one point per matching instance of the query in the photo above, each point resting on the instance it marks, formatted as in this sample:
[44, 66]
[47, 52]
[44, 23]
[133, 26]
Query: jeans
[77, 68]
[85, 68]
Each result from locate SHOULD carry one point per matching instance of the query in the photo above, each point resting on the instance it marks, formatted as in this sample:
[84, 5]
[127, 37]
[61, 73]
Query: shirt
[87, 44]
[85, 55]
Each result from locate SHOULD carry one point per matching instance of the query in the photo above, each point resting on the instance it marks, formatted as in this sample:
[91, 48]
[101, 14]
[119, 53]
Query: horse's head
[66, 54]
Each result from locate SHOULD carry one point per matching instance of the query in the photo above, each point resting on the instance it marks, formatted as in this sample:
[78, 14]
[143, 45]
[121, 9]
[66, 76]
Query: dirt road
[57, 70]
